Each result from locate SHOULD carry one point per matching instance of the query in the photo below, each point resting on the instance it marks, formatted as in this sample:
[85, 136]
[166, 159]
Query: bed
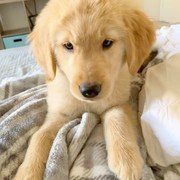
[17, 62]
[78, 151]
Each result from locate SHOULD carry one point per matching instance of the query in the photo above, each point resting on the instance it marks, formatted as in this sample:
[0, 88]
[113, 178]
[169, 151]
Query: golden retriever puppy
[89, 49]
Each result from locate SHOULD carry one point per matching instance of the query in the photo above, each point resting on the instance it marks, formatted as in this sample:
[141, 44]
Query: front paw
[127, 164]
[29, 172]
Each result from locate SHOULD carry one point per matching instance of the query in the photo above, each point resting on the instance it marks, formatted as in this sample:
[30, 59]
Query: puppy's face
[90, 43]
[90, 50]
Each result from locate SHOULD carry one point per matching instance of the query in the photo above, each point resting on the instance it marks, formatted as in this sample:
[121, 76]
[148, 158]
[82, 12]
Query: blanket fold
[78, 151]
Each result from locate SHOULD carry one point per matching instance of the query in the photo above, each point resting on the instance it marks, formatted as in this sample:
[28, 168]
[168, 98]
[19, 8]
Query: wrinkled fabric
[160, 118]
[79, 149]
[159, 105]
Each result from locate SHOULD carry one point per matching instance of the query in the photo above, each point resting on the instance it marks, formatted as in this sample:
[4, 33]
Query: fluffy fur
[86, 23]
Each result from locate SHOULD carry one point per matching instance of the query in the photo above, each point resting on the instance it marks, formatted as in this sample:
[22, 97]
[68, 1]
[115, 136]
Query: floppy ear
[42, 49]
[140, 35]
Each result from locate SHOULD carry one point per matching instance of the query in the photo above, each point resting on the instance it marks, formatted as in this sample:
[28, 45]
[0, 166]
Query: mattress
[17, 62]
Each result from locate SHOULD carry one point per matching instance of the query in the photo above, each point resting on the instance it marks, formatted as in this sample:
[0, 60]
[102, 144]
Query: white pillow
[161, 114]
[168, 41]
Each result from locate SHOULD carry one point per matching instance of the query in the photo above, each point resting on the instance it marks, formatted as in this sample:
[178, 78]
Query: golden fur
[86, 23]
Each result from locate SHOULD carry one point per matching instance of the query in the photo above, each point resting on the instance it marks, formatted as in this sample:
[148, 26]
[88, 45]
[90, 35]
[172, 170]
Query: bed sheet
[17, 62]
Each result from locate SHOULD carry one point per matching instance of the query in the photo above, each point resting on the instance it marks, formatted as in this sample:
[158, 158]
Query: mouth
[91, 100]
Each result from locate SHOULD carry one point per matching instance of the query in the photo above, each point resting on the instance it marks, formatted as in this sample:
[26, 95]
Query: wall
[152, 8]
[170, 11]
[164, 10]
[13, 14]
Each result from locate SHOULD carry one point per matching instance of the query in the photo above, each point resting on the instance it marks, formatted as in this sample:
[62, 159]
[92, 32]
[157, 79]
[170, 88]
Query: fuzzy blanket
[78, 151]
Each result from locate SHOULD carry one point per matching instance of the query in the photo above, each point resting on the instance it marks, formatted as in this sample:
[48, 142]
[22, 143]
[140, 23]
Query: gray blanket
[78, 151]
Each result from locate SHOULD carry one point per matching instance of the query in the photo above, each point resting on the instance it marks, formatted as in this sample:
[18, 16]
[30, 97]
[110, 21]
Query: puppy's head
[90, 41]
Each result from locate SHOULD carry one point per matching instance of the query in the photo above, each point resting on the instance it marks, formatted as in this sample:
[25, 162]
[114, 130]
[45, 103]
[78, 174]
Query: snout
[90, 90]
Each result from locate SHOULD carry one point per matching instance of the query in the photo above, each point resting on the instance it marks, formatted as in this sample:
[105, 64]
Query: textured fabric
[17, 62]
[20, 116]
[78, 151]
[161, 113]
[159, 106]
[168, 41]
[161, 116]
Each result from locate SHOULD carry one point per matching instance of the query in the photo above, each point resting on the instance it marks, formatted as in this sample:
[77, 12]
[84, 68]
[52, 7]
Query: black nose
[90, 90]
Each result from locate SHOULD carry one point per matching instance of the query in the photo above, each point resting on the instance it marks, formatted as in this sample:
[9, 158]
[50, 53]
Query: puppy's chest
[99, 106]
[103, 105]
[64, 102]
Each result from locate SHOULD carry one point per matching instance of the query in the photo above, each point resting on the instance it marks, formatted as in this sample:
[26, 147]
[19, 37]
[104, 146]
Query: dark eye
[107, 43]
[68, 46]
